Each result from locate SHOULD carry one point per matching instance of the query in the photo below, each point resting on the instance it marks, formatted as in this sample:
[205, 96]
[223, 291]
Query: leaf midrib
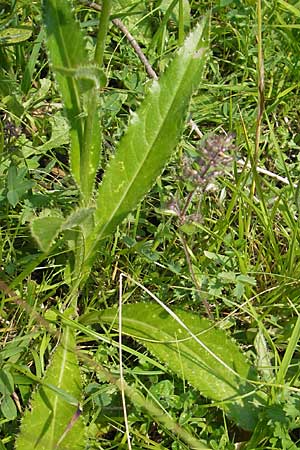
[100, 229]
[155, 331]
[60, 381]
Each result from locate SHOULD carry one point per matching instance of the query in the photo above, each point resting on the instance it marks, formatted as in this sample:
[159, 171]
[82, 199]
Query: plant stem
[180, 24]
[103, 27]
[194, 278]
[89, 148]
[261, 82]
[118, 23]
[136, 398]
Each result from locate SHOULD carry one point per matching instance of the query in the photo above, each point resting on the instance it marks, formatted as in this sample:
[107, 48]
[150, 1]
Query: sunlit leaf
[151, 137]
[54, 422]
[15, 35]
[8, 408]
[78, 85]
[212, 362]
[45, 230]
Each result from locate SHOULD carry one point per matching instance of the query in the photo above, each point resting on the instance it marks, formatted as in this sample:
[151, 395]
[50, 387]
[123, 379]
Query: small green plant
[235, 250]
[141, 155]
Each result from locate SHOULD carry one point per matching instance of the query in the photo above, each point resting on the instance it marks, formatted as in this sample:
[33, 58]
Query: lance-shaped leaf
[151, 137]
[54, 421]
[204, 356]
[78, 85]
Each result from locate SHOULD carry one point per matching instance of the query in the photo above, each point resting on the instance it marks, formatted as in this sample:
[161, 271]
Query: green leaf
[151, 137]
[59, 136]
[68, 53]
[91, 73]
[6, 382]
[8, 408]
[246, 279]
[82, 217]
[289, 352]
[32, 61]
[69, 58]
[297, 197]
[205, 357]
[17, 184]
[54, 422]
[13, 105]
[227, 277]
[239, 290]
[264, 363]
[13, 198]
[15, 35]
[45, 230]
[164, 5]
[289, 7]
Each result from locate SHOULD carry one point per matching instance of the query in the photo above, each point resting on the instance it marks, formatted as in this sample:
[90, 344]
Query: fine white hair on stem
[121, 363]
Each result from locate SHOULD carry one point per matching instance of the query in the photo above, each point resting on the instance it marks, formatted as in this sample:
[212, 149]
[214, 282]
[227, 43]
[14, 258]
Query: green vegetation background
[233, 255]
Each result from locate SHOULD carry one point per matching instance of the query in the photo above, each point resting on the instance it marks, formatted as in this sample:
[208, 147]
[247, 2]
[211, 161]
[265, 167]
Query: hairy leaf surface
[77, 86]
[215, 366]
[45, 230]
[54, 421]
[151, 137]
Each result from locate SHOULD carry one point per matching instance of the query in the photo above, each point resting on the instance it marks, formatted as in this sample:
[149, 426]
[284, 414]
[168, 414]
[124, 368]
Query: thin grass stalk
[180, 23]
[261, 81]
[102, 33]
[122, 380]
[260, 101]
[293, 341]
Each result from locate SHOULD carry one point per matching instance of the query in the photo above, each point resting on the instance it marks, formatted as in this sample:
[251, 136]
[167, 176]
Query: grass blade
[290, 350]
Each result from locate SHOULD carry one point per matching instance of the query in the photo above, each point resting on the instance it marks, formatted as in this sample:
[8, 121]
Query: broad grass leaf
[151, 137]
[53, 422]
[78, 87]
[221, 374]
